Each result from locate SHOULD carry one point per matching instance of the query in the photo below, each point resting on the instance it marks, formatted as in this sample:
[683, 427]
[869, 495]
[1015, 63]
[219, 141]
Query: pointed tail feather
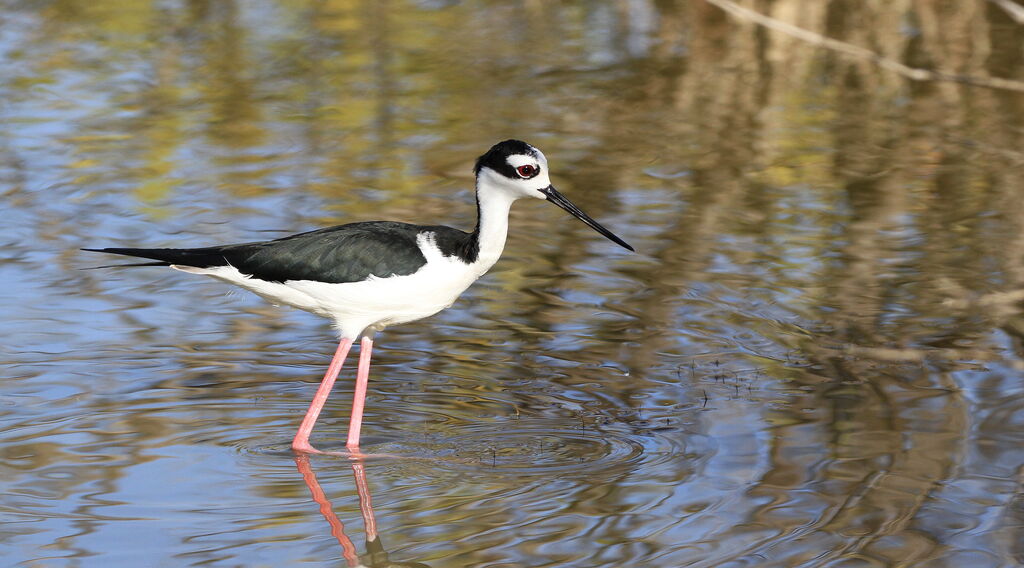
[127, 265]
[199, 258]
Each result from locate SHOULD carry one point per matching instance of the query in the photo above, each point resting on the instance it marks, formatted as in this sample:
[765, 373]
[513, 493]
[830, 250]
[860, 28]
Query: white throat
[492, 226]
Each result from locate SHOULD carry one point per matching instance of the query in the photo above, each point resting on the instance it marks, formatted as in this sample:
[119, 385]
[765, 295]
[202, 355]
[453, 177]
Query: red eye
[526, 171]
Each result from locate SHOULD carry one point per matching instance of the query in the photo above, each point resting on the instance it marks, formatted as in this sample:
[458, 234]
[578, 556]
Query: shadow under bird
[370, 275]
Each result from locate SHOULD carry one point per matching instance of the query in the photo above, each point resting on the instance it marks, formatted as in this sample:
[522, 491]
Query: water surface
[815, 359]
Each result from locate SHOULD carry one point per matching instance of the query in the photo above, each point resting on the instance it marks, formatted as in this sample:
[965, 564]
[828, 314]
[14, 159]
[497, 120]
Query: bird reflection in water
[376, 556]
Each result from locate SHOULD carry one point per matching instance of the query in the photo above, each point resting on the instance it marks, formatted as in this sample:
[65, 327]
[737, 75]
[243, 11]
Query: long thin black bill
[560, 200]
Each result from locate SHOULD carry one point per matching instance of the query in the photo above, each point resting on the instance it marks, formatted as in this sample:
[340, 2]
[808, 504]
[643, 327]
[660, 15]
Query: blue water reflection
[813, 360]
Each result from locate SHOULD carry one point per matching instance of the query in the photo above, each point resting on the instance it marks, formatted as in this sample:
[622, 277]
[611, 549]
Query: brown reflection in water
[376, 556]
[867, 232]
[235, 117]
[892, 442]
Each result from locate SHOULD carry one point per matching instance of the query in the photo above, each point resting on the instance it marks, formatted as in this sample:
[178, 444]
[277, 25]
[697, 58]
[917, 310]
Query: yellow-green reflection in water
[814, 360]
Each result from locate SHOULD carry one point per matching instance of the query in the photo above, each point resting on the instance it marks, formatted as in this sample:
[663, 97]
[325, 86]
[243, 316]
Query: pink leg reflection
[365, 502]
[348, 550]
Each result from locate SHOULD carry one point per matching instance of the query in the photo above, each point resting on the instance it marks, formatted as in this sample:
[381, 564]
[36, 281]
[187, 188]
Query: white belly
[372, 304]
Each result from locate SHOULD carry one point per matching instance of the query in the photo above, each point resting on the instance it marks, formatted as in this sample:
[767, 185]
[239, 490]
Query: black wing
[345, 253]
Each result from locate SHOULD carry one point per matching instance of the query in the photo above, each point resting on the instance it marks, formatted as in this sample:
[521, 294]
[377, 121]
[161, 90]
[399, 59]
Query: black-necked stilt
[370, 275]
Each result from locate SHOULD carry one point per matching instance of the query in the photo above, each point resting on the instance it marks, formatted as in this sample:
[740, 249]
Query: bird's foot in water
[304, 447]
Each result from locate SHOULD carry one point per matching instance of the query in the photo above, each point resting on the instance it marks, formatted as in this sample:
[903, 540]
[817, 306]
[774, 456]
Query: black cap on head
[495, 158]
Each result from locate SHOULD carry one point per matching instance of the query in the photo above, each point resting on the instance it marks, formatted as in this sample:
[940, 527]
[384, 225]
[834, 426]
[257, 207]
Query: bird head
[517, 169]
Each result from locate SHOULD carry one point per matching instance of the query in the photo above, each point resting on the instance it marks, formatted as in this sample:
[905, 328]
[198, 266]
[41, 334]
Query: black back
[340, 254]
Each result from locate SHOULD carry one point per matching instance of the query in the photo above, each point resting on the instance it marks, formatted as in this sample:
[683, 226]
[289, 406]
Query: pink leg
[301, 441]
[359, 398]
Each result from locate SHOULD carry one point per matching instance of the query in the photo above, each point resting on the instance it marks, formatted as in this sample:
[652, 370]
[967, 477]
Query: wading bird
[369, 275]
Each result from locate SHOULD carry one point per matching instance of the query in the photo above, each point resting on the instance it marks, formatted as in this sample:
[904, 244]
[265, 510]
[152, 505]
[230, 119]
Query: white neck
[492, 225]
